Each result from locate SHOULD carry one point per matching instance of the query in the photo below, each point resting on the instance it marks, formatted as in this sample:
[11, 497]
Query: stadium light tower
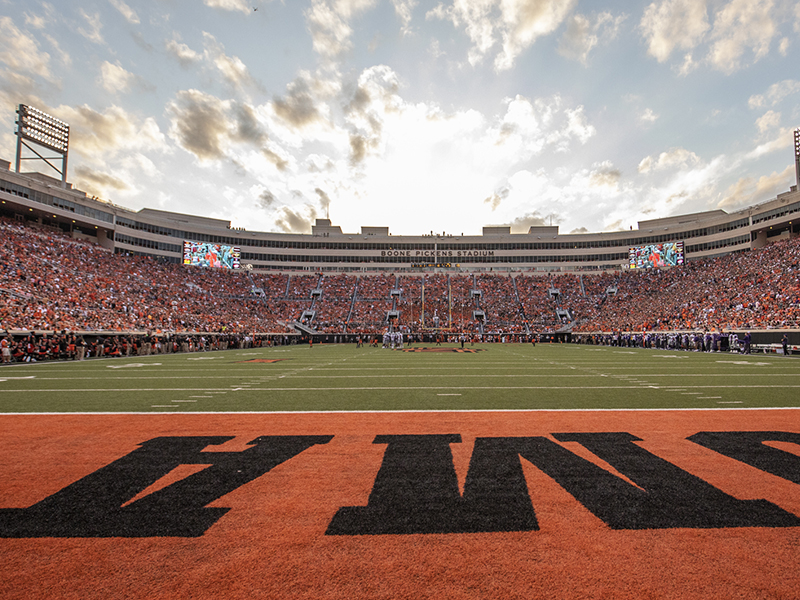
[797, 156]
[44, 131]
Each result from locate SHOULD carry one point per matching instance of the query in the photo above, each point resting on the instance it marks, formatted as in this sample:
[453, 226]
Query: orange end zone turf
[275, 541]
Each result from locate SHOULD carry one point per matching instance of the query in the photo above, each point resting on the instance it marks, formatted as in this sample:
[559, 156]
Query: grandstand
[75, 263]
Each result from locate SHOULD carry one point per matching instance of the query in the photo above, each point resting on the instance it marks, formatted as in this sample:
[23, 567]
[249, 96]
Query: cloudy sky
[418, 115]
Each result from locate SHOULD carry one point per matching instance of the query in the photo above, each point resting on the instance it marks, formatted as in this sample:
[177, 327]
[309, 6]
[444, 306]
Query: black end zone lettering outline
[92, 506]
[748, 447]
[416, 489]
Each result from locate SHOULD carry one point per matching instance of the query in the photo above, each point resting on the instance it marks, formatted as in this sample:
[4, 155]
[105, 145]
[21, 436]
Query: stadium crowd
[51, 282]
[752, 290]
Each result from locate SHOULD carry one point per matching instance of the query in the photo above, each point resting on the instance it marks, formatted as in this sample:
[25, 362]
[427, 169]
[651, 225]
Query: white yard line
[438, 387]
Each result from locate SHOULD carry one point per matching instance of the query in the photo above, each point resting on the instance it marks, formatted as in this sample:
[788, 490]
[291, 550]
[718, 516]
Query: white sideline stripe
[378, 412]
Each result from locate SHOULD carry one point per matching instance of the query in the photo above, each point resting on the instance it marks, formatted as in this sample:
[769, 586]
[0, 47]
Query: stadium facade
[34, 197]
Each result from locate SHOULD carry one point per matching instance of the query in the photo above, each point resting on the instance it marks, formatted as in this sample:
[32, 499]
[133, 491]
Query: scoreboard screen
[668, 254]
[203, 254]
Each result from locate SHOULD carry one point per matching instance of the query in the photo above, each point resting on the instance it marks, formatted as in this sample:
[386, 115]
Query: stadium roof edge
[685, 218]
[182, 217]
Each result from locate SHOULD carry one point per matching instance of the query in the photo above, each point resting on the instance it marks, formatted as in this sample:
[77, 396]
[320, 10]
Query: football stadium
[191, 410]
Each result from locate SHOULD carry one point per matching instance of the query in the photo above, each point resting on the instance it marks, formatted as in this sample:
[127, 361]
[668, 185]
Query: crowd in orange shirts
[49, 281]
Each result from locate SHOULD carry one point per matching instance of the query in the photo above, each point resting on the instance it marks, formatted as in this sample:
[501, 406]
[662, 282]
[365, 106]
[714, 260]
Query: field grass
[346, 378]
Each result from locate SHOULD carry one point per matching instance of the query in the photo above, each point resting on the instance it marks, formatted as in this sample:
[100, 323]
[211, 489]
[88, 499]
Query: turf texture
[342, 377]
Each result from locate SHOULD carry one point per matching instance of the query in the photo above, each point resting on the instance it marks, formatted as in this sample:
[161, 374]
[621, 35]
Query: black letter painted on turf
[92, 506]
[416, 490]
[670, 497]
[748, 447]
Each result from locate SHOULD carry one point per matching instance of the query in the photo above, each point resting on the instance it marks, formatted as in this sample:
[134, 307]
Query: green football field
[346, 378]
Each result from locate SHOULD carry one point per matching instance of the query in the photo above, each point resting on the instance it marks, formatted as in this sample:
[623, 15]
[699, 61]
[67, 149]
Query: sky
[441, 116]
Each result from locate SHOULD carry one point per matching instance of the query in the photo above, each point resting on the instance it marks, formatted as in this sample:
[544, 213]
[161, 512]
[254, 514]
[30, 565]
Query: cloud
[296, 221]
[741, 25]
[185, 55]
[329, 24]
[63, 56]
[534, 219]
[298, 107]
[777, 140]
[478, 19]
[324, 200]
[276, 159]
[525, 21]
[140, 41]
[516, 24]
[212, 129]
[94, 133]
[116, 80]
[775, 94]
[358, 148]
[741, 28]
[231, 67]
[577, 127]
[21, 52]
[375, 96]
[584, 33]
[672, 24]
[529, 126]
[16, 88]
[126, 11]
[44, 15]
[92, 31]
[748, 191]
[495, 199]
[97, 182]
[648, 116]
[403, 9]
[199, 123]
[770, 120]
[605, 175]
[617, 225]
[364, 145]
[266, 199]
[231, 5]
[675, 157]
[247, 128]
[687, 66]
[35, 21]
